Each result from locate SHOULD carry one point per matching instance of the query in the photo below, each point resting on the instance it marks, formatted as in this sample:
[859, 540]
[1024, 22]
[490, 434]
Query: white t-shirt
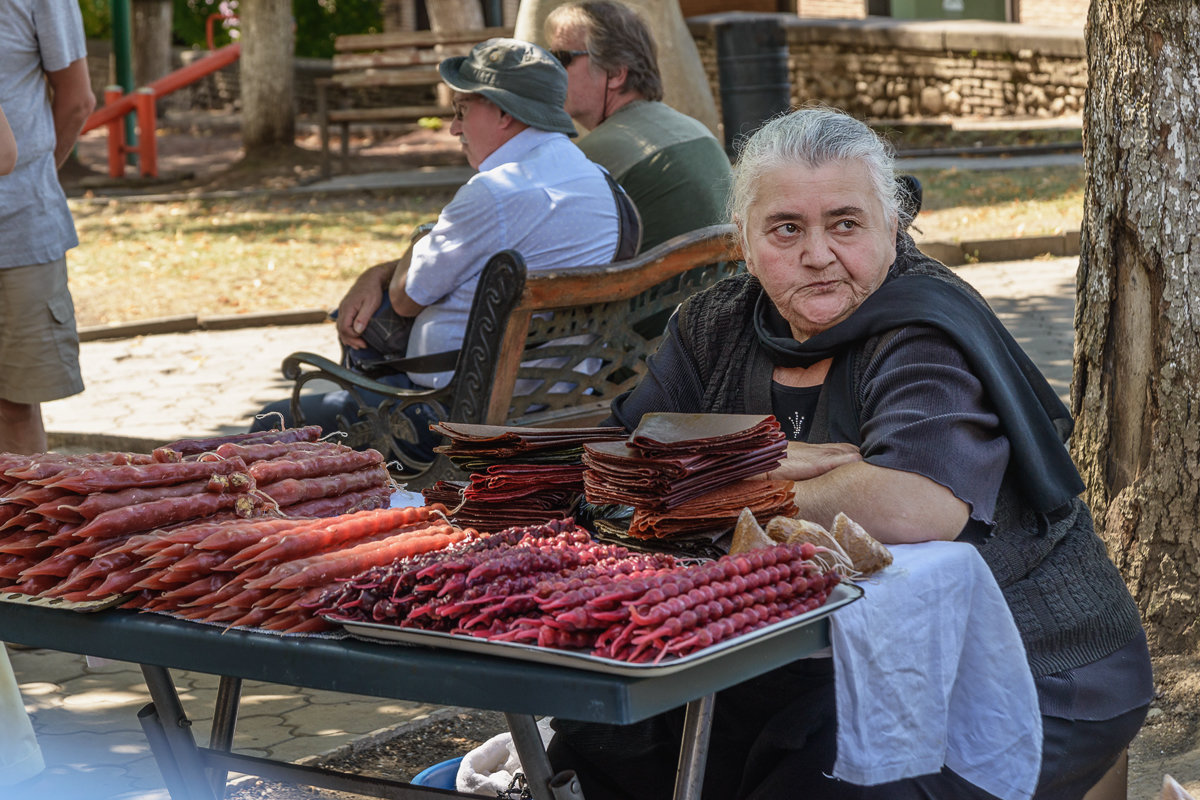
[536, 194]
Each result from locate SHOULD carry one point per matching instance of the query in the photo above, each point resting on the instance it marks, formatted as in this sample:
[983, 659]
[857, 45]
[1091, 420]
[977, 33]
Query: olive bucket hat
[520, 77]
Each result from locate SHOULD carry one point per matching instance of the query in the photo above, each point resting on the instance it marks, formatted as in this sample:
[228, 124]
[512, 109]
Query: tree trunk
[1137, 360]
[152, 32]
[685, 86]
[454, 15]
[446, 16]
[267, 82]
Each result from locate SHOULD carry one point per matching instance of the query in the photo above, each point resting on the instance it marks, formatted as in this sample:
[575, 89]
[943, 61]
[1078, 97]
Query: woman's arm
[894, 506]
[933, 451]
[8, 146]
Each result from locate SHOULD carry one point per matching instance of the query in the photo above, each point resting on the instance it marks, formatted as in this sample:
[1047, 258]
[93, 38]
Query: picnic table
[520, 688]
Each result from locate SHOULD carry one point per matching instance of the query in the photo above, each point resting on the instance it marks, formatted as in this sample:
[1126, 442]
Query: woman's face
[818, 240]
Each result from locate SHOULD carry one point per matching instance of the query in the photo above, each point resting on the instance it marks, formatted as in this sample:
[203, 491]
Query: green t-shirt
[671, 165]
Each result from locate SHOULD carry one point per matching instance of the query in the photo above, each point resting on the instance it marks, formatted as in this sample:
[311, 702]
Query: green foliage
[318, 22]
[97, 18]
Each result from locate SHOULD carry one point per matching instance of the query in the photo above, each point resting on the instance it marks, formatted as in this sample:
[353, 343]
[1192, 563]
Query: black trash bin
[752, 67]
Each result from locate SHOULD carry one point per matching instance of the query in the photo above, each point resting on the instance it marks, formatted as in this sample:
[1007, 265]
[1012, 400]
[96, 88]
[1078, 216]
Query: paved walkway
[155, 388]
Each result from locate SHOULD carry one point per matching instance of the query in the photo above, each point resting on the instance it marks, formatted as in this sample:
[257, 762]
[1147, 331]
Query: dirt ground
[205, 155]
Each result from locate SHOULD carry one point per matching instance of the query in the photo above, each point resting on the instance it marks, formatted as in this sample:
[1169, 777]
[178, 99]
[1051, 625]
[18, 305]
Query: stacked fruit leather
[688, 476]
[519, 476]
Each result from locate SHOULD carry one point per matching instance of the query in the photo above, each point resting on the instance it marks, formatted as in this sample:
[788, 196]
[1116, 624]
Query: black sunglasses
[565, 57]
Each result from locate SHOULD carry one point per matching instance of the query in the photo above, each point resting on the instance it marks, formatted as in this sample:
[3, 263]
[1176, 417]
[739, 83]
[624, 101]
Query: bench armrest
[381, 422]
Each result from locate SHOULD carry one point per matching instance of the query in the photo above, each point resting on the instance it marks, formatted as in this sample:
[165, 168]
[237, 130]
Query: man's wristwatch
[420, 231]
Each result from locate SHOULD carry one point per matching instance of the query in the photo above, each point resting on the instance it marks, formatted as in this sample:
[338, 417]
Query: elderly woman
[912, 410]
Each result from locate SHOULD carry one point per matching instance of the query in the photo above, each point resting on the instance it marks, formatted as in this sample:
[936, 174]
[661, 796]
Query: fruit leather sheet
[619, 473]
[519, 494]
[482, 444]
[716, 511]
[673, 433]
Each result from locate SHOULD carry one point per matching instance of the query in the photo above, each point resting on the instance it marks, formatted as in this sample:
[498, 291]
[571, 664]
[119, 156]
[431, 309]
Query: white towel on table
[930, 670]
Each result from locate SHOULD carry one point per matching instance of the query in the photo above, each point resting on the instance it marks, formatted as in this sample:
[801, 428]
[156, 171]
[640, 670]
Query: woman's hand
[805, 461]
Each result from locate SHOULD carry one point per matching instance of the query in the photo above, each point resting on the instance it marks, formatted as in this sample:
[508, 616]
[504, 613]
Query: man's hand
[805, 461]
[361, 302]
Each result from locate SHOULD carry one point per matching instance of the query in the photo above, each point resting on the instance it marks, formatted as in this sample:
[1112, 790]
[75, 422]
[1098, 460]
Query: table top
[406, 672]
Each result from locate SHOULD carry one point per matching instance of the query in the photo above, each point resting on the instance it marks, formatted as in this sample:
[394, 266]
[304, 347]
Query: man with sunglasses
[672, 166]
[535, 193]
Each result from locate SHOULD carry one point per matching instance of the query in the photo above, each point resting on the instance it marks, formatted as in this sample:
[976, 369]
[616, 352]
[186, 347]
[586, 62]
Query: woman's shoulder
[736, 291]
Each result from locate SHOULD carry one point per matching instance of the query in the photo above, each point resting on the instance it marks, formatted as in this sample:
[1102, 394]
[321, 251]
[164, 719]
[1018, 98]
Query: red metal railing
[142, 101]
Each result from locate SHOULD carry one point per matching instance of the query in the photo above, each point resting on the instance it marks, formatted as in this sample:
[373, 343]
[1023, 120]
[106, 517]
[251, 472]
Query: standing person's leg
[21, 429]
[39, 351]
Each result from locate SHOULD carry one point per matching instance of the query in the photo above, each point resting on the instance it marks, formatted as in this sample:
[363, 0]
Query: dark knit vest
[1068, 599]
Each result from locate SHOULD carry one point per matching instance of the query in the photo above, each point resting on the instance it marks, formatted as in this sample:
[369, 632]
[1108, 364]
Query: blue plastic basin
[439, 776]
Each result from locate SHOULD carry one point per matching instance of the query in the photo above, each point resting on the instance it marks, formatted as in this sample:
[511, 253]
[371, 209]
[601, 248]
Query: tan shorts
[39, 347]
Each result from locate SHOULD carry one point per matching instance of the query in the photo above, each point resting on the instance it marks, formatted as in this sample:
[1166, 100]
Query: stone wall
[884, 69]
[841, 9]
[1071, 13]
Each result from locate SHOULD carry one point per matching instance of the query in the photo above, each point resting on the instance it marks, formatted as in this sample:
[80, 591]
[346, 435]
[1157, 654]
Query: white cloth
[536, 194]
[20, 756]
[930, 670]
[489, 768]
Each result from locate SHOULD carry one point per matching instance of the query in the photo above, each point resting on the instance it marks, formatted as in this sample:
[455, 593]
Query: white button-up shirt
[536, 194]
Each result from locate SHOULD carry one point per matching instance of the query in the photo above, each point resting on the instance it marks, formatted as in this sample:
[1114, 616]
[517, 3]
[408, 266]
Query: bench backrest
[364, 54]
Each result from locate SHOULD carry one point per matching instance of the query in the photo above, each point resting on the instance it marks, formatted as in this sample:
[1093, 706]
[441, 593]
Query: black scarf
[1032, 416]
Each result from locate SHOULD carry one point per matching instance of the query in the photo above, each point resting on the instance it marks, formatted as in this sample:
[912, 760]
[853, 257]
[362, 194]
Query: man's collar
[516, 148]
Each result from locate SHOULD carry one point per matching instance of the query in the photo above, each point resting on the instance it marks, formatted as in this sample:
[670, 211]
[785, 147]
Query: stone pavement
[153, 388]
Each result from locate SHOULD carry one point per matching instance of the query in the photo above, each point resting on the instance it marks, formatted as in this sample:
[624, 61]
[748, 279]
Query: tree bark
[267, 81]
[152, 32]
[685, 86]
[1137, 360]
[454, 15]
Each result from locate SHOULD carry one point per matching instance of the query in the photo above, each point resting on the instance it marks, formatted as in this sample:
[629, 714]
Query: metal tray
[842, 594]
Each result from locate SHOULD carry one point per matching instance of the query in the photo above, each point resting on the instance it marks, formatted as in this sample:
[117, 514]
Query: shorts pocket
[62, 309]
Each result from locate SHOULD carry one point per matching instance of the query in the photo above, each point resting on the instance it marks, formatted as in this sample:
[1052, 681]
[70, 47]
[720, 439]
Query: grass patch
[208, 257]
[997, 204]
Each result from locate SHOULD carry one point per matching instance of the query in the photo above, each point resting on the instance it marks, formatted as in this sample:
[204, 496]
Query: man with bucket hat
[535, 192]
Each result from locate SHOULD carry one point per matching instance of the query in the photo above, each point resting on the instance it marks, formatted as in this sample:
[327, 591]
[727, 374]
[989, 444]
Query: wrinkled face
[819, 242]
[479, 125]
[585, 82]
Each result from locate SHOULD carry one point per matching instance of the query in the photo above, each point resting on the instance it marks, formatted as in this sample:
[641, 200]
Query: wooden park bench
[383, 61]
[606, 319]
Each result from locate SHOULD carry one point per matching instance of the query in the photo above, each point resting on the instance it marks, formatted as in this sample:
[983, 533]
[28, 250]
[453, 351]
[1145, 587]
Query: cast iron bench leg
[177, 732]
[693, 754]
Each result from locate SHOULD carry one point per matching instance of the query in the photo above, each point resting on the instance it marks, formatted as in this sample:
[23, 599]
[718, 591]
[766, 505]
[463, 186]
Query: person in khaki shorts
[20, 755]
[46, 93]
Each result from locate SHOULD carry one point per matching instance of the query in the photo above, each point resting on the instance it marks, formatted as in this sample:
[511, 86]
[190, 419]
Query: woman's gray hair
[815, 136]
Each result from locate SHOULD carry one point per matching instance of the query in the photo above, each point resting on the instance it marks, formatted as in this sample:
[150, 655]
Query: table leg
[229, 693]
[693, 754]
[177, 731]
[536, 765]
[161, 750]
